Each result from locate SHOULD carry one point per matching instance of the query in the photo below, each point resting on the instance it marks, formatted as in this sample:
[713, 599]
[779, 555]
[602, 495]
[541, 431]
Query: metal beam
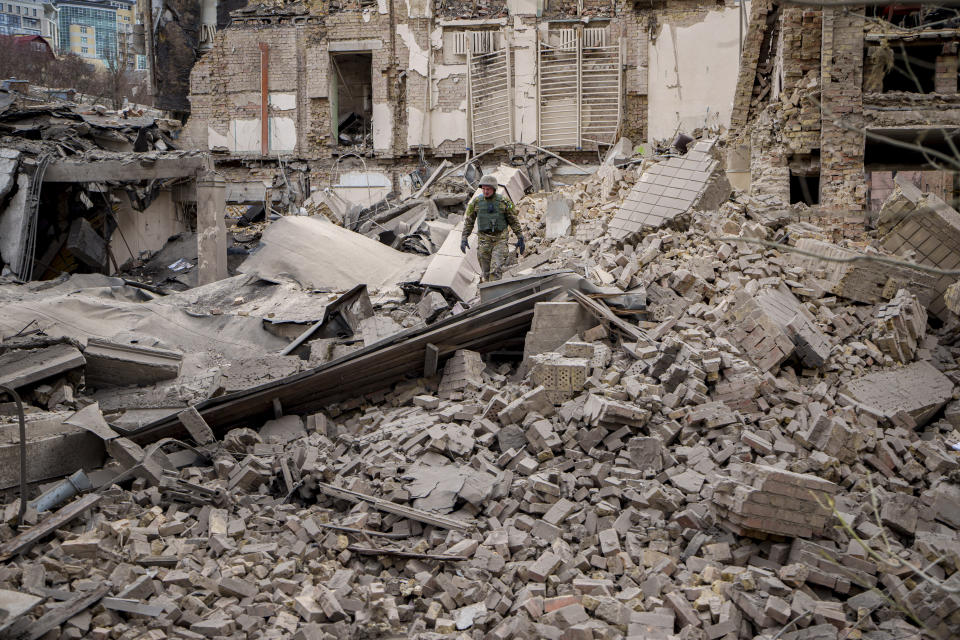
[123, 170]
[482, 328]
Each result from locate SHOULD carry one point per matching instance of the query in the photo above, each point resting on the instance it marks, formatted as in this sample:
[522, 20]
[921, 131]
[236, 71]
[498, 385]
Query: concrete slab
[451, 269]
[9, 162]
[86, 244]
[291, 251]
[558, 216]
[54, 449]
[20, 368]
[918, 389]
[513, 180]
[12, 221]
[14, 604]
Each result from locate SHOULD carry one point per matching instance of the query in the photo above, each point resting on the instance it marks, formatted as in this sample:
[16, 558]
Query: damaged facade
[831, 103]
[401, 84]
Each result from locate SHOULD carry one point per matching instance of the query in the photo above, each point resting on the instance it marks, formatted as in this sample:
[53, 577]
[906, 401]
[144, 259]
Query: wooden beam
[431, 360]
[602, 313]
[28, 538]
[53, 619]
[123, 170]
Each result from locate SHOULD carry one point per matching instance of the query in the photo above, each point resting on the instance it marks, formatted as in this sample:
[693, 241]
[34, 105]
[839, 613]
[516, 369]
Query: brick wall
[842, 180]
[556, 9]
[465, 9]
[800, 39]
[635, 118]
[749, 59]
[945, 78]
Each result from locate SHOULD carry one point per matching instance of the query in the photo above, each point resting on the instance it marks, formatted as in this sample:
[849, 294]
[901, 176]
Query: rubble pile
[705, 438]
[46, 230]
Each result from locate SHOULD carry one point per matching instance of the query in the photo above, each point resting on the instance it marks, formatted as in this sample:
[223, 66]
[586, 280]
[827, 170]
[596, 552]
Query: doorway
[351, 93]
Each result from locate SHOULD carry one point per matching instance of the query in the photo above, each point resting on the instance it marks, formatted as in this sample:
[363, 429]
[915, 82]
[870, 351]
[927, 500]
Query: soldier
[493, 214]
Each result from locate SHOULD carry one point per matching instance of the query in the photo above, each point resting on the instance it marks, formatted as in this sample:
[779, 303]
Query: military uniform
[494, 217]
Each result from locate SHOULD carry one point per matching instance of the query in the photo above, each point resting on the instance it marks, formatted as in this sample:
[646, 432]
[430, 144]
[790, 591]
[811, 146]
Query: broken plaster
[524, 48]
[283, 101]
[418, 58]
[687, 90]
[419, 8]
[382, 126]
[244, 135]
[216, 139]
[440, 127]
[283, 134]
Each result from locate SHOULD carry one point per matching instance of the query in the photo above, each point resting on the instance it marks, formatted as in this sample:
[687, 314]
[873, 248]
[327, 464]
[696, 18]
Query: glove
[521, 246]
[464, 245]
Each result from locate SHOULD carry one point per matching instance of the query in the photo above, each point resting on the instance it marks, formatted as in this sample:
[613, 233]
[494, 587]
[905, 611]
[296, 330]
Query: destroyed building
[686, 412]
[831, 102]
[84, 190]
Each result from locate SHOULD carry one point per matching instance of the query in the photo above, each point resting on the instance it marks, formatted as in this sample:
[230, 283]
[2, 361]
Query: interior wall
[687, 88]
[145, 231]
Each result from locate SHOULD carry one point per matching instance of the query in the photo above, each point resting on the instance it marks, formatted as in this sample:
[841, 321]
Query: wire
[849, 259]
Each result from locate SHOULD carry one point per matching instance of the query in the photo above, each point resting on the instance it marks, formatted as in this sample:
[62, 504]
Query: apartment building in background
[99, 31]
[30, 18]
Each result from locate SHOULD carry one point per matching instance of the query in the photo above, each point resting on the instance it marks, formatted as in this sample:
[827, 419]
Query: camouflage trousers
[492, 250]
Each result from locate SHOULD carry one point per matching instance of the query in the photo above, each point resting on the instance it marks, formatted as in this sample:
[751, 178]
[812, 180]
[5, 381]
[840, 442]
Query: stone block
[553, 324]
[562, 378]
[26, 366]
[86, 244]
[431, 306]
[462, 370]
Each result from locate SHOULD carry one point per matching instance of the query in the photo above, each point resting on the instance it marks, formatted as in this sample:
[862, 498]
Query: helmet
[488, 181]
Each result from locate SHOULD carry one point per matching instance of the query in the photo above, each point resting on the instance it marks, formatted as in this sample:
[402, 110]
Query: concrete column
[211, 229]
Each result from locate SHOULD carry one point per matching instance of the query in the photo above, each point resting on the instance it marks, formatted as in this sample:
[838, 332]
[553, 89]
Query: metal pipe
[68, 488]
[23, 453]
